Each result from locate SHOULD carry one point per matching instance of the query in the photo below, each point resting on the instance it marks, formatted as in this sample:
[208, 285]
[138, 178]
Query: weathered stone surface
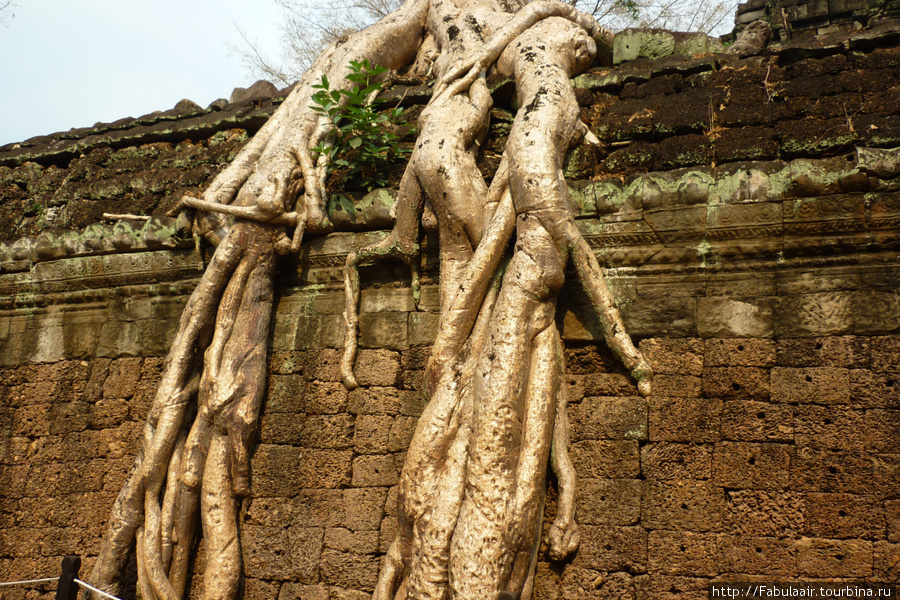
[682, 553]
[834, 558]
[843, 516]
[606, 458]
[757, 555]
[750, 421]
[739, 353]
[609, 501]
[674, 356]
[611, 418]
[613, 549]
[682, 505]
[685, 419]
[677, 461]
[824, 385]
[744, 465]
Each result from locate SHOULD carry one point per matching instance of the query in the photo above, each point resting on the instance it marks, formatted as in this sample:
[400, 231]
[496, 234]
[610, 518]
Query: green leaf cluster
[363, 147]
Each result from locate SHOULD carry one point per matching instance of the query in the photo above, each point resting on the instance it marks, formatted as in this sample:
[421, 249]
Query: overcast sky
[73, 63]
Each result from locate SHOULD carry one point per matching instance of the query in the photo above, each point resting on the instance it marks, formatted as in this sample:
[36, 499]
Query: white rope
[29, 581]
[95, 590]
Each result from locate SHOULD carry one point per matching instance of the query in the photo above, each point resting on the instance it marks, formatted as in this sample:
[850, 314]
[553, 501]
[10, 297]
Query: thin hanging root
[564, 536]
[389, 247]
[392, 567]
[143, 580]
[401, 243]
[167, 520]
[594, 283]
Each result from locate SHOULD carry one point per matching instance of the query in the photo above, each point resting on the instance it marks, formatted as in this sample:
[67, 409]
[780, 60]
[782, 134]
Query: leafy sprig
[363, 146]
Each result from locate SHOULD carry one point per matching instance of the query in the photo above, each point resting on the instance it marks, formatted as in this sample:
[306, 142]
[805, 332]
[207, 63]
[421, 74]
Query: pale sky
[73, 63]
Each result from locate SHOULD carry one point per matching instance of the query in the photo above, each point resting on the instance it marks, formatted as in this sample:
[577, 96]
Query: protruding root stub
[643, 374]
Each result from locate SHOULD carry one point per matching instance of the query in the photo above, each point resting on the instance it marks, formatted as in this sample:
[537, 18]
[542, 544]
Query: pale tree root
[511, 405]
[238, 283]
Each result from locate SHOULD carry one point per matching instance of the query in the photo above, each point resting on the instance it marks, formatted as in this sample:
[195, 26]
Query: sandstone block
[612, 549]
[685, 386]
[749, 352]
[613, 418]
[423, 328]
[874, 390]
[381, 299]
[291, 590]
[656, 586]
[682, 553]
[752, 465]
[834, 558]
[836, 351]
[377, 367]
[318, 507]
[682, 505]
[384, 330]
[724, 317]
[370, 435]
[750, 421]
[685, 419]
[349, 570]
[886, 561]
[674, 356]
[358, 542]
[609, 501]
[609, 384]
[375, 401]
[676, 461]
[814, 314]
[757, 555]
[750, 383]
[885, 354]
[283, 470]
[376, 470]
[824, 385]
[282, 428]
[606, 458]
[831, 471]
[840, 516]
[363, 508]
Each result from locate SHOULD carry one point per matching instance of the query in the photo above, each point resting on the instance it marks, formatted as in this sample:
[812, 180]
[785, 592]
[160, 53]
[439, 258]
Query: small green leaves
[362, 149]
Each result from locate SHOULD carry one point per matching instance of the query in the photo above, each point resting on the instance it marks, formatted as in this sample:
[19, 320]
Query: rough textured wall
[748, 216]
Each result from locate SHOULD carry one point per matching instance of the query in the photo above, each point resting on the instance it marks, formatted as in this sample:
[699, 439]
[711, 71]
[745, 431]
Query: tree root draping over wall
[472, 489]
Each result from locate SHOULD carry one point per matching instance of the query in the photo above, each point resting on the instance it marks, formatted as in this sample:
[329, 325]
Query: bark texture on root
[472, 490]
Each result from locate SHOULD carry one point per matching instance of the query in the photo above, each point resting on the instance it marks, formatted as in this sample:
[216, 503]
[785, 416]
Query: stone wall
[748, 216]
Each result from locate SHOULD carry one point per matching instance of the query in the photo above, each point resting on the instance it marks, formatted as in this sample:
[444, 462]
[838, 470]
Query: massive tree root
[472, 490]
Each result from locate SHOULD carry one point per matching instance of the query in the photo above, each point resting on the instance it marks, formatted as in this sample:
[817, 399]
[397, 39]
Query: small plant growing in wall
[362, 147]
